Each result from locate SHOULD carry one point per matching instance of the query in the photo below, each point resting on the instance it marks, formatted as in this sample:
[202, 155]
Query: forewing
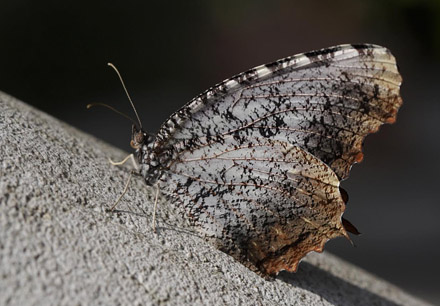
[265, 202]
[324, 101]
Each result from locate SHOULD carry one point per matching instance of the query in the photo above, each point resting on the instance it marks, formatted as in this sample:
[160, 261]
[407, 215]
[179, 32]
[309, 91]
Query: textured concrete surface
[59, 246]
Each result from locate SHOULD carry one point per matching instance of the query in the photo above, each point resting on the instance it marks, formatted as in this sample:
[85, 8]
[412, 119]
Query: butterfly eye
[138, 140]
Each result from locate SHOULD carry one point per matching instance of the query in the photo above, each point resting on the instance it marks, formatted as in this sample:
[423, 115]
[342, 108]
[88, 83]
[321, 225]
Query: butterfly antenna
[111, 108]
[126, 92]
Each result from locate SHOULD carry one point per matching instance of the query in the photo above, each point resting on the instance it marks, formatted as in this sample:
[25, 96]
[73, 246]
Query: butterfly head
[140, 140]
[137, 137]
[143, 142]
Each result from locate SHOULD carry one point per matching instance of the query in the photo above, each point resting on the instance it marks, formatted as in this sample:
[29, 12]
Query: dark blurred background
[53, 55]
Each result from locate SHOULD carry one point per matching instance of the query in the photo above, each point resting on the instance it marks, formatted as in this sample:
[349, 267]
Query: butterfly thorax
[143, 142]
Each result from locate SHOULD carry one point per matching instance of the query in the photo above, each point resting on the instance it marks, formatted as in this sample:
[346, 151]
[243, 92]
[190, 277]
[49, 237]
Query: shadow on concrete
[331, 288]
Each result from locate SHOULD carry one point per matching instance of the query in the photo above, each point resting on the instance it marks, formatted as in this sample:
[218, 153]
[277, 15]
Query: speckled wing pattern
[255, 162]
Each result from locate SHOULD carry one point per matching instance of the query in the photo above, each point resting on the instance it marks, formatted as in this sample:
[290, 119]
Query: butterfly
[255, 162]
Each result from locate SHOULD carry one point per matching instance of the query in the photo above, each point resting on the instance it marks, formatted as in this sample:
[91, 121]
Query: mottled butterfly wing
[324, 101]
[255, 161]
[265, 202]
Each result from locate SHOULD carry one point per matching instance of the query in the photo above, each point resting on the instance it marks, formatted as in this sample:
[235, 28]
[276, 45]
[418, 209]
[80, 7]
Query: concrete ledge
[59, 246]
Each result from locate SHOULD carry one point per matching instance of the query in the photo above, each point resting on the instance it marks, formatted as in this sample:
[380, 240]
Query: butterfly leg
[123, 192]
[129, 157]
[155, 208]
